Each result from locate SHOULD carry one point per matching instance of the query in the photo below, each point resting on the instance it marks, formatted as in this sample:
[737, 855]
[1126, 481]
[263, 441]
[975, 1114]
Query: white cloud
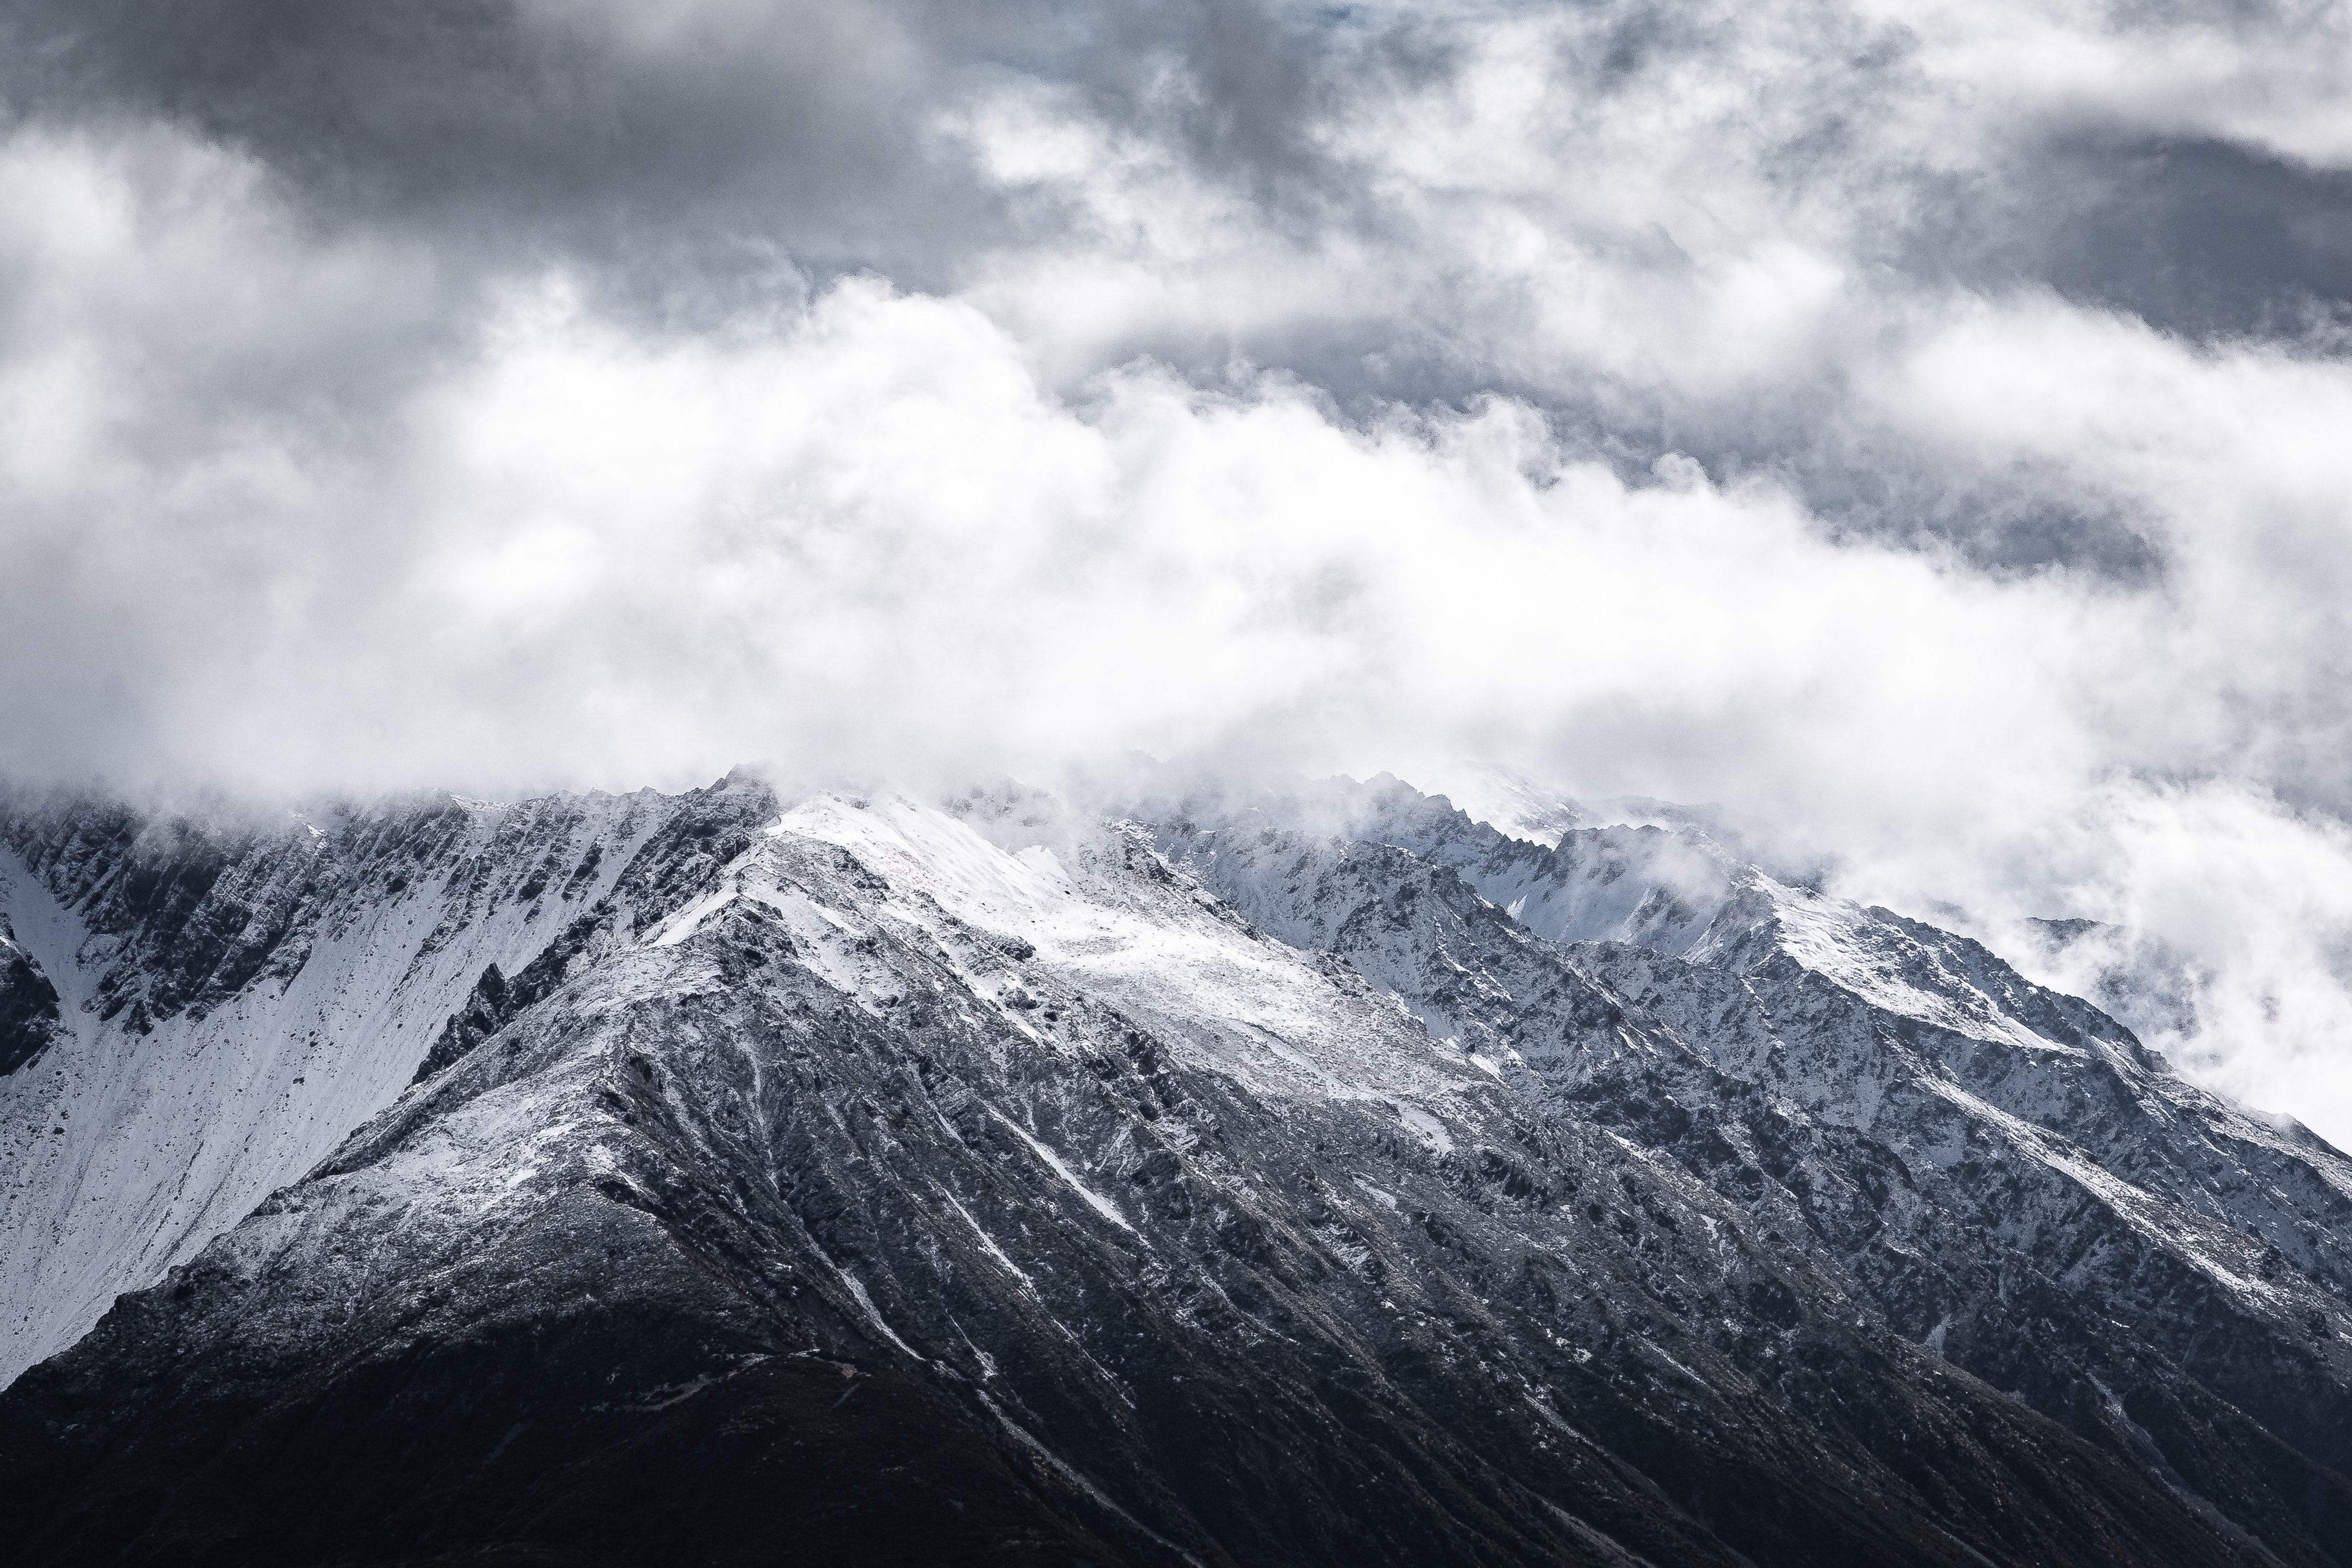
[2278, 76]
[291, 507]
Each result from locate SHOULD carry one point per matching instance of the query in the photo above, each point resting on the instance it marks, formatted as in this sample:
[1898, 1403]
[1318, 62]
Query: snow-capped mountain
[1223, 1174]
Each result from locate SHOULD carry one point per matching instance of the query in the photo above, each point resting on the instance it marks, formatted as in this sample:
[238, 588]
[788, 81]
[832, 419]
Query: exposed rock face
[29, 1021]
[2002, 1170]
[230, 1001]
[1239, 1183]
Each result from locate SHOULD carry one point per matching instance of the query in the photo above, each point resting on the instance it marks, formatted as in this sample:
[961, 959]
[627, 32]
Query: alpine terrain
[1217, 1173]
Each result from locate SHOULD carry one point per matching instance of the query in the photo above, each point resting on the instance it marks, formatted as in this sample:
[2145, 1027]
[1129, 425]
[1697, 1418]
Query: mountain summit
[1225, 1174]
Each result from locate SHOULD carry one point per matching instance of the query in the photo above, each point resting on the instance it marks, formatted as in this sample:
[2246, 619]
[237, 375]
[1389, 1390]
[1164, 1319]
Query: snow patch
[1426, 1128]
[1101, 1205]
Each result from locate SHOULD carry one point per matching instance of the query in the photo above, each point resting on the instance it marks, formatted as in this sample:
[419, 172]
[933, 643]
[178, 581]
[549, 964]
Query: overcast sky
[1924, 428]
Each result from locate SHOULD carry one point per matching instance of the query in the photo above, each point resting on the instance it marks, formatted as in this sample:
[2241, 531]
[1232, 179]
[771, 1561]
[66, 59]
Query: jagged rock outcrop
[29, 1019]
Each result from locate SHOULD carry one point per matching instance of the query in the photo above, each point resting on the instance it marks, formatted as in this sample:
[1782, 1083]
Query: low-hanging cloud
[1793, 406]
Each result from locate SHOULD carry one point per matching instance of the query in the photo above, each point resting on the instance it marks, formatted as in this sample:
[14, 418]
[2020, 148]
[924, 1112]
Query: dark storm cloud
[808, 125]
[662, 138]
[593, 128]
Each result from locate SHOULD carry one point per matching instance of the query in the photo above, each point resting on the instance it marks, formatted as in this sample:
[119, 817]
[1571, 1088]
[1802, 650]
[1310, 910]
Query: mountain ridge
[1561, 1248]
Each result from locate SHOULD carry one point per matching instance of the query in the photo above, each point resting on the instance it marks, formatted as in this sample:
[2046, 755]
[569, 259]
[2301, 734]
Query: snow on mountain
[1101, 910]
[1300, 1175]
[2029, 1141]
[1520, 807]
[1513, 803]
[233, 1003]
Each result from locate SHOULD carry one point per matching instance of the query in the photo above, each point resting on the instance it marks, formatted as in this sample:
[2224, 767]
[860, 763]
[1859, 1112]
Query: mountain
[1222, 1173]
[193, 1016]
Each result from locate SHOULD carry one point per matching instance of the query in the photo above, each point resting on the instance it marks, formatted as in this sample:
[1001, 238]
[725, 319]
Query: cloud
[516, 119]
[2274, 75]
[1789, 405]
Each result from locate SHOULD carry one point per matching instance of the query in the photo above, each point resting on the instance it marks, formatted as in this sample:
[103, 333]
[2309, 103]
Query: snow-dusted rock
[232, 998]
[1954, 1141]
[1235, 1180]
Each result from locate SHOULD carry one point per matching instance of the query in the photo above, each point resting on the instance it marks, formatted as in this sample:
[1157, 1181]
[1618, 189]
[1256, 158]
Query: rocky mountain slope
[1233, 1176]
[1959, 1141]
[191, 1017]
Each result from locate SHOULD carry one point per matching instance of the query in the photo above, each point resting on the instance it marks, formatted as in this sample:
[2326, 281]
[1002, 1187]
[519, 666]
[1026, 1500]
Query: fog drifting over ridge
[1920, 430]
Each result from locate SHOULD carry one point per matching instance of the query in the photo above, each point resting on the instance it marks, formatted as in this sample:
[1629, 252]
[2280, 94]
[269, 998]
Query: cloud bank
[1920, 428]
